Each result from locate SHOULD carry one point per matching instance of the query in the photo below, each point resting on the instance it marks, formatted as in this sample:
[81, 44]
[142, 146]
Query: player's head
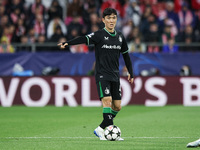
[109, 11]
[109, 18]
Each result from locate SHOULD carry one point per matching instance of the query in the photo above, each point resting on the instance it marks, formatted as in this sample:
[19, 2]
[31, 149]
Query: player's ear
[103, 20]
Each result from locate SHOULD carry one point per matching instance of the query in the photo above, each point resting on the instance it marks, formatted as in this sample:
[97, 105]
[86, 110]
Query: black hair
[109, 11]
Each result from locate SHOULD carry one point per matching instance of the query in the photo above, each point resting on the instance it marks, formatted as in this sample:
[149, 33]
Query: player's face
[110, 22]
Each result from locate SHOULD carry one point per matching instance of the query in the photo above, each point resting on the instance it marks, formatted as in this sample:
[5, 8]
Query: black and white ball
[112, 133]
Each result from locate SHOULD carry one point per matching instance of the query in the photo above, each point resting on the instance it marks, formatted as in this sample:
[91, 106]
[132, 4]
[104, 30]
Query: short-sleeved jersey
[107, 52]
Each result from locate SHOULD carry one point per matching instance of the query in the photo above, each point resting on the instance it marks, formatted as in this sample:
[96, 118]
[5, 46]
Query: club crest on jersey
[106, 38]
[107, 91]
[120, 38]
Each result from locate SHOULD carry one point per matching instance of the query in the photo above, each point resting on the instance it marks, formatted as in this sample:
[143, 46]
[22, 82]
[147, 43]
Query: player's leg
[194, 143]
[116, 96]
[116, 101]
[103, 88]
[107, 116]
[116, 107]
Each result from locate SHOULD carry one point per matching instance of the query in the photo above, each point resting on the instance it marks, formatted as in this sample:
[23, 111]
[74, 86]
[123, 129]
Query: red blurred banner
[39, 91]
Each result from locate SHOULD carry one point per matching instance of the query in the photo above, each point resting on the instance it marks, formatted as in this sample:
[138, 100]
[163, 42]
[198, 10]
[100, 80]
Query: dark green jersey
[107, 52]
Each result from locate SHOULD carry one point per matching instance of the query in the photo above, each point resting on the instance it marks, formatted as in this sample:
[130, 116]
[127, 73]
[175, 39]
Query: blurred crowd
[148, 25]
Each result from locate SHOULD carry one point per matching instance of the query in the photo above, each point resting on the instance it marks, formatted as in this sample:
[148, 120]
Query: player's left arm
[127, 59]
[128, 64]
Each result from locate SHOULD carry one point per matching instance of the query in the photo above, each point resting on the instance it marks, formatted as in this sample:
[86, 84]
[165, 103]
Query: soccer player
[108, 45]
[194, 144]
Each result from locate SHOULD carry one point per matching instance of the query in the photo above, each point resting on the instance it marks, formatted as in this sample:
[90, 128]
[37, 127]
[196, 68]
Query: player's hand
[130, 79]
[62, 46]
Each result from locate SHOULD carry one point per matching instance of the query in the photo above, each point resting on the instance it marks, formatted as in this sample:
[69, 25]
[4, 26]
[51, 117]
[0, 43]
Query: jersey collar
[110, 33]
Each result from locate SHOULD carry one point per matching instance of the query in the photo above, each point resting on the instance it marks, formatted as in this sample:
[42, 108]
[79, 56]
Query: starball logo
[111, 46]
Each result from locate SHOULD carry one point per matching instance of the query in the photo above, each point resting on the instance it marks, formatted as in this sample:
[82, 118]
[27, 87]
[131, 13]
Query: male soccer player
[108, 45]
[194, 144]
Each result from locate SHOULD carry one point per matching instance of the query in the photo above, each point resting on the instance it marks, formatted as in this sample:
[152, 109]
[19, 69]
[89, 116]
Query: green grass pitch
[71, 128]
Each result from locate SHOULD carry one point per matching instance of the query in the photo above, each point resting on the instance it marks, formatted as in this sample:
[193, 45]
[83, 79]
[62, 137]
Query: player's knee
[118, 108]
[106, 101]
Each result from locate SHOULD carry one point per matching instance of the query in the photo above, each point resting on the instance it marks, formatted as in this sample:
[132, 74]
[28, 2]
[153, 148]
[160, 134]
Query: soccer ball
[112, 133]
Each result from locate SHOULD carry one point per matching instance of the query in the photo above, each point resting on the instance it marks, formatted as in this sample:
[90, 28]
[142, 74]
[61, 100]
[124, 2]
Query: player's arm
[75, 41]
[128, 64]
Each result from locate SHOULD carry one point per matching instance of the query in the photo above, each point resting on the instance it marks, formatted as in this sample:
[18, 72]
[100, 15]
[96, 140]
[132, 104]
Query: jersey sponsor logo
[111, 46]
[107, 91]
[120, 38]
[106, 38]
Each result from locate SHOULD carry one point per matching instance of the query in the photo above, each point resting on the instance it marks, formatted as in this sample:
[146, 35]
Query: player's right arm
[75, 41]
[91, 38]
